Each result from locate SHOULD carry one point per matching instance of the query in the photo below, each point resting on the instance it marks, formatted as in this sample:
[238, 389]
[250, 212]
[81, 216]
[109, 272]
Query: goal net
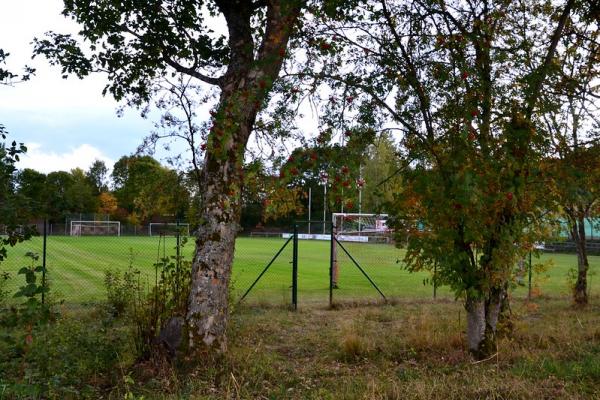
[168, 229]
[357, 228]
[95, 228]
[360, 227]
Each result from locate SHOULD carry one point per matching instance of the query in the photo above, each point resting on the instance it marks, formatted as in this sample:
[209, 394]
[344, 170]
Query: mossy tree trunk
[244, 89]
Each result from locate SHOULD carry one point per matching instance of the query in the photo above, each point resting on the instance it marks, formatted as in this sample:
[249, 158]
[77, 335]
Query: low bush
[4, 279]
[121, 289]
[151, 306]
[36, 308]
[72, 358]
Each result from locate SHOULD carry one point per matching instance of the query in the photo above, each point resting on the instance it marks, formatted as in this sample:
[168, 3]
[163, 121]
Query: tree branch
[539, 75]
[192, 72]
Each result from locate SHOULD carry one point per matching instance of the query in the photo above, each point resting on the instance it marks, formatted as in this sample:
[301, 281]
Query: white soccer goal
[168, 228]
[356, 227]
[95, 228]
[359, 226]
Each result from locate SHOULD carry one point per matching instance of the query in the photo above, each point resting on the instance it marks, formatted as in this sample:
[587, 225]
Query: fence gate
[313, 264]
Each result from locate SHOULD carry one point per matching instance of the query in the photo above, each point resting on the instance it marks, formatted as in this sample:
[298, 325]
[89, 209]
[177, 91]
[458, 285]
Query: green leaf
[29, 290]
[41, 289]
[30, 277]
[32, 303]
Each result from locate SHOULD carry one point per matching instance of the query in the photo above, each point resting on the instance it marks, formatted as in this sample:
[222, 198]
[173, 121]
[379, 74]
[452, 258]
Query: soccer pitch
[77, 265]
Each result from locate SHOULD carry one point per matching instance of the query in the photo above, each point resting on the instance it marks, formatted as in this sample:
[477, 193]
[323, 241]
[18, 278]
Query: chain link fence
[77, 265]
[373, 271]
[302, 266]
[263, 268]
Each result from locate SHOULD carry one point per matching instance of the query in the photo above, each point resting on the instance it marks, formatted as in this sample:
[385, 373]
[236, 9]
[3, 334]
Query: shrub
[150, 310]
[69, 359]
[34, 310]
[4, 278]
[121, 289]
[167, 300]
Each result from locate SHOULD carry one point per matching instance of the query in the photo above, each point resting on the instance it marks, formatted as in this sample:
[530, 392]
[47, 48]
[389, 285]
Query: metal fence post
[331, 261]
[178, 259]
[44, 250]
[178, 233]
[295, 269]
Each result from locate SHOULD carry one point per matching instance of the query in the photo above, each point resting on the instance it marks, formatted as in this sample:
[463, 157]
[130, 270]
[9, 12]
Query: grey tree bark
[475, 308]
[483, 314]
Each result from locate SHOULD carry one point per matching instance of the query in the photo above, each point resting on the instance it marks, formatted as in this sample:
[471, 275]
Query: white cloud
[81, 156]
[20, 22]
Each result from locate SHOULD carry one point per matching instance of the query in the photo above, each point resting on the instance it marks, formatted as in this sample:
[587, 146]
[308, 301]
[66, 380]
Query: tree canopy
[462, 83]
[13, 213]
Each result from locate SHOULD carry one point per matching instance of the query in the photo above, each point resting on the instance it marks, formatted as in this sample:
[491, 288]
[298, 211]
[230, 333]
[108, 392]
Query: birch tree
[135, 43]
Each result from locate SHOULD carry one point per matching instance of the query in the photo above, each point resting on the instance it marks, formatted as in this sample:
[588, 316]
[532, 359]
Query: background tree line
[138, 189]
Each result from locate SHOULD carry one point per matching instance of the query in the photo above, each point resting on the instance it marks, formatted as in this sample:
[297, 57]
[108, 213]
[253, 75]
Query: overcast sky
[65, 123]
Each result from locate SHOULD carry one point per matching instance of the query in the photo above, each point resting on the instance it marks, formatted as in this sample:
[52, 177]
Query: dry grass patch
[401, 351]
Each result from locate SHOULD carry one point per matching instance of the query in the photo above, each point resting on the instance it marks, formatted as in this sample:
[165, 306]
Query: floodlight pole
[309, 207]
[360, 198]
[324, 204]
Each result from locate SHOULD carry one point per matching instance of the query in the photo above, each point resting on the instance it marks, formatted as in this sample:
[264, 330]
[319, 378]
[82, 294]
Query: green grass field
[76, 268]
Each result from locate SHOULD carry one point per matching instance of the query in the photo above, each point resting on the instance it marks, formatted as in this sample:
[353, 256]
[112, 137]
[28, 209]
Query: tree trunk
[505, 323]
[475, 308]
[244, 88]
[211, 269]
[580, 290]
[482, 322]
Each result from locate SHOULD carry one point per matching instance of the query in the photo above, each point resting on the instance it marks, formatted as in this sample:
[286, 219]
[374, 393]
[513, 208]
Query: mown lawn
[76, 268]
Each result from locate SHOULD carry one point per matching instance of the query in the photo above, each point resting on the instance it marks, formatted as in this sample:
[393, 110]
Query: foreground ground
[411, 348]
[408, 350]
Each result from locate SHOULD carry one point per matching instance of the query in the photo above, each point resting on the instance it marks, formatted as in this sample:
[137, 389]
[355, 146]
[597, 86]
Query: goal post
[355, 227]
[95, 228]
[359, 227]
[168, 228]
